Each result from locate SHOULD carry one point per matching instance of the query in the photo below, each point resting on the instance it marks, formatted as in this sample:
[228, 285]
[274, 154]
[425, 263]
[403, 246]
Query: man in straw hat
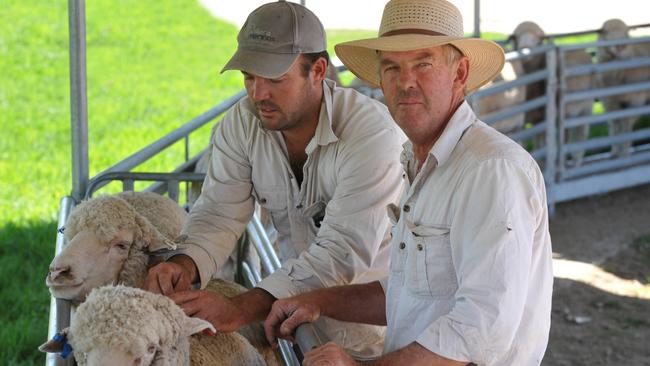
[470, 278]
[322, 160]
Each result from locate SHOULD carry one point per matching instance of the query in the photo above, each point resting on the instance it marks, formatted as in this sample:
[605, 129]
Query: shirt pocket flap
[424, 230]
[271, 198]
[393, 213]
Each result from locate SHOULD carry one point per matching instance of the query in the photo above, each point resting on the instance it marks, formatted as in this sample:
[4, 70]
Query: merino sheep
[497, 102]
[530, 35]
[119, 325]
[617, 29]
[110, 240]
[578, 108]
[116, 239]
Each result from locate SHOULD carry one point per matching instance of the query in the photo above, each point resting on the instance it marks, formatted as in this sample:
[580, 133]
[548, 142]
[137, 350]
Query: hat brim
[264, 64]
[486, 58]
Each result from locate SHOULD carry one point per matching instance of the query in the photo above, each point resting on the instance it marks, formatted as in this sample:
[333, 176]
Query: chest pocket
[273, 200]
[398, 247]
[429, 268]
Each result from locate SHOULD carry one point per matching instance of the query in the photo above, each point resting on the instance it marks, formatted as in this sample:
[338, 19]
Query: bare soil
[590, 326]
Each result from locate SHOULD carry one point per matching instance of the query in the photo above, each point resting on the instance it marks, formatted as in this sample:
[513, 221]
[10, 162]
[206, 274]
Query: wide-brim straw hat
[408, 25]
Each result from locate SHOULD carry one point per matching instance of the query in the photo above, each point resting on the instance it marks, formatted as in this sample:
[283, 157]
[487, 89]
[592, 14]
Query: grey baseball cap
[273, 37]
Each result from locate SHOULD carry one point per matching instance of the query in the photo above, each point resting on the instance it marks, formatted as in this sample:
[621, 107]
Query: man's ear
[319, 69]
[462, 74]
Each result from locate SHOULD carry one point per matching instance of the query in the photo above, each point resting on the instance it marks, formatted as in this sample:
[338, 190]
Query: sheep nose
[58, 271]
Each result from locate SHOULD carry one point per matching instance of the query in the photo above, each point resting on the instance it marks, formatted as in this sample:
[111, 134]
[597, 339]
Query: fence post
[552, 141]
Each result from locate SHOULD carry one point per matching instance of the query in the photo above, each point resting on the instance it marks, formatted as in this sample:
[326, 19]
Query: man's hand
[287, 314]
[328, 354]
[223, 313]
[177, 274]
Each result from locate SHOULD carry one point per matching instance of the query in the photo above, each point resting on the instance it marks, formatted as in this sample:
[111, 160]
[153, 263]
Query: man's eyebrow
[383, 61]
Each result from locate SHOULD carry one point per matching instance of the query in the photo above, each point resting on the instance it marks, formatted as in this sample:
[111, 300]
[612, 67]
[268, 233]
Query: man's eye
[276, 81]
[424, 64]
[390, 69]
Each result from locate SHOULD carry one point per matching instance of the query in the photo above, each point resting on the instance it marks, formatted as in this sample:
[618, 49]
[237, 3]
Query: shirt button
[262, 200]
[419, 247]
[407, 208]
[402, 245]
[290, 176]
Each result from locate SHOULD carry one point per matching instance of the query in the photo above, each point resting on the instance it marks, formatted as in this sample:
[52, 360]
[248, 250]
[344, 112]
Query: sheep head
[528, 35]
[108, 243]
[119, 325]
[614, 29]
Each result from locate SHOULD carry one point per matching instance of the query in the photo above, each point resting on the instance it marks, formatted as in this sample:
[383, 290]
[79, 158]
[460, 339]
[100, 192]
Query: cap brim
[264, 64]
[486, 58]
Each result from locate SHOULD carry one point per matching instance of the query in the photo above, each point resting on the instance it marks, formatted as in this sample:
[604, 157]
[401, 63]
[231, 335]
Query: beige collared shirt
[471, 274]
[333, 229]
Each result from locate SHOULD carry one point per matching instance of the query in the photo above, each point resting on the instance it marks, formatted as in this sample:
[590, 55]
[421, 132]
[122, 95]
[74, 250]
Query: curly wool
[125, 318]
[130, 319]
[151, 217]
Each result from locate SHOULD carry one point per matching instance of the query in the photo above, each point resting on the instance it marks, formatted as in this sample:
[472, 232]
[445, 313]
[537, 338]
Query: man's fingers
[299, 316]
[151, 283]
[165, 283]
[182, 283]
[273, 321]
[183, 297]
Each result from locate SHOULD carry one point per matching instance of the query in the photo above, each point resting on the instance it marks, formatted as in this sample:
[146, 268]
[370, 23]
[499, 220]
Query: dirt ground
[602, 318]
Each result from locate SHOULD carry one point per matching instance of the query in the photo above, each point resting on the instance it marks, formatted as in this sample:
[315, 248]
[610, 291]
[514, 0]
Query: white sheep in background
[582, 107]
[617, 29]
[509, 98]
[530, 35]
[112, 240]
[119, 325]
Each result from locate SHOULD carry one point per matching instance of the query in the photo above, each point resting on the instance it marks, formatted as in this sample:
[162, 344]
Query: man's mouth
[408, 102]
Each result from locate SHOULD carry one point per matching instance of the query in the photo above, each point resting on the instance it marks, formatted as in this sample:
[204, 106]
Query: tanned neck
[421, 149]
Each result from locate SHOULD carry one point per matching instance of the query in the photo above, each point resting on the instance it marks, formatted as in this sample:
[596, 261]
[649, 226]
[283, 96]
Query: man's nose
[260, 89]
[407, 79]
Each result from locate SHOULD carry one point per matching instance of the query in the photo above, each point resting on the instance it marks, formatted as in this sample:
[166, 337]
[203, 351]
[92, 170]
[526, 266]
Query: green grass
[152, 66]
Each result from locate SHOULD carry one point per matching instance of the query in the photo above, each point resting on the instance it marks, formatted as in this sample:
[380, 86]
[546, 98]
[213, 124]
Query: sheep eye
[123, 246]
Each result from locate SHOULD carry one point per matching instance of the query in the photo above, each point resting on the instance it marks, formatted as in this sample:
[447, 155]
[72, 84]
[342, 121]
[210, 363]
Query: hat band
[411, 31]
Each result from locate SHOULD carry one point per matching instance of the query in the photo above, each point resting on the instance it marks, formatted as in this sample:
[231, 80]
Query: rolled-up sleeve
[494, 219]
[347, 245]
[220, 215]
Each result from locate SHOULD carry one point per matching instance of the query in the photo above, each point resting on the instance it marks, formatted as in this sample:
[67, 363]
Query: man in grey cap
[322, 160]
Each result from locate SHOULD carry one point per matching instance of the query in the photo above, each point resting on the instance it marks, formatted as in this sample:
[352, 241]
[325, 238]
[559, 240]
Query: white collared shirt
[471, 272]
[333, 229]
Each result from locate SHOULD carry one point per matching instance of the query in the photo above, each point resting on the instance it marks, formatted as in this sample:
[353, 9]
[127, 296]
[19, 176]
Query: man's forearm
[254, 305]
[413, 354]
[365, 303]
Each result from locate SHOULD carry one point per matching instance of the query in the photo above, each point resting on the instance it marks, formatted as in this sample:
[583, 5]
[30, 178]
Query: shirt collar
[324, 134]
[442, 149]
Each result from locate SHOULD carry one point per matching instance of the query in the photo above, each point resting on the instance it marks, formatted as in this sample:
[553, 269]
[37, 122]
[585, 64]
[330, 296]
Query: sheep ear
[154, 239]
[196, 325]
[160, 242]
[56, 344]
